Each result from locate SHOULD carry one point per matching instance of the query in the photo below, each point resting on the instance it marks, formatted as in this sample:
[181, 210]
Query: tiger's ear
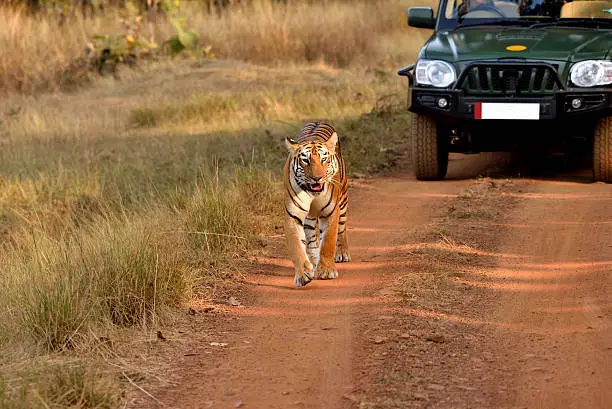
[291, 144]
[332, 142]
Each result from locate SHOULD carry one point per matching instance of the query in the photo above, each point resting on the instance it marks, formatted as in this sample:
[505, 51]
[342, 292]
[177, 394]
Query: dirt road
[462, 294]
[556, 298]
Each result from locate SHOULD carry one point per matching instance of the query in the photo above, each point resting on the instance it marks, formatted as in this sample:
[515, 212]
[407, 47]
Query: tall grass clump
[260, 189]
[55, 309]
[54, 291]
[42, 298]
[66, 291]
[126, 269]
[140, 273]
[216, 222]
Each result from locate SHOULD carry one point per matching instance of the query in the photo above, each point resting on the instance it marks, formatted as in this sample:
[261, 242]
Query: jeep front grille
[507, 80]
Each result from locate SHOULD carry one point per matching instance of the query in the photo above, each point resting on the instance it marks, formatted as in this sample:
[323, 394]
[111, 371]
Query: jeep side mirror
[422, 17]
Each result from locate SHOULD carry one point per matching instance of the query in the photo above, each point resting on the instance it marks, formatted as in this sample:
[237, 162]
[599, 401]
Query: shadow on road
[575, 168]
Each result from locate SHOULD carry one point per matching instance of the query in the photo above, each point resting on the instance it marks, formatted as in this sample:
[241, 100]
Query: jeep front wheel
[429, 153]
[602, 150]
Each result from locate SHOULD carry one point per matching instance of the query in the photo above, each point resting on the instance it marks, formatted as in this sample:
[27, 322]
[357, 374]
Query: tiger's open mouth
[316, 187]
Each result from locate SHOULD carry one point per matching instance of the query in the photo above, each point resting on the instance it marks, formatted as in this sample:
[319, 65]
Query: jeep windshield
[526, 13]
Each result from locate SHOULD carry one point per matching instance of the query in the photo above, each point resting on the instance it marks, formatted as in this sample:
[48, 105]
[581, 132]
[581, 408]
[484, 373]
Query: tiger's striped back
[316, 132]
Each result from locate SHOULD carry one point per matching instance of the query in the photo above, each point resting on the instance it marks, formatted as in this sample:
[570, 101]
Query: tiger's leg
[329, 235]
[311, 229]
[342, 248]
[296, 244]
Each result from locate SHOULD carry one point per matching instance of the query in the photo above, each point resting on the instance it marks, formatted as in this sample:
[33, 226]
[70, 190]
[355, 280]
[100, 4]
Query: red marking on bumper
[478, 110]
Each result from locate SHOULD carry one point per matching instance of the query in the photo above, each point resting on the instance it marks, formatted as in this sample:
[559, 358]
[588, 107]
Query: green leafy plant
[184, 40]
[126, 47]
[131, 45]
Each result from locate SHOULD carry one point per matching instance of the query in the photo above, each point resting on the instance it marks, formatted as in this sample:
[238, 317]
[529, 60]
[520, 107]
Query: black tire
[429, 153]
[602, 150]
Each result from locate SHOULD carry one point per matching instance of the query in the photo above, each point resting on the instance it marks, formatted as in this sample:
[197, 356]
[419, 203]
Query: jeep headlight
[591, 73]
[435, 72]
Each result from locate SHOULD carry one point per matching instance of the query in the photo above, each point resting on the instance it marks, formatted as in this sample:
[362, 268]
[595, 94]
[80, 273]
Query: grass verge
[58, 384]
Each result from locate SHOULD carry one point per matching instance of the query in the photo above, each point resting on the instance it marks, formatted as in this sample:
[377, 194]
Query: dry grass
[114, 271]
[108, 222]
[57, 384]
[118, 145]
[42, 53]
[118, 201]
[338, 33]
[72, 290]
[38, 50]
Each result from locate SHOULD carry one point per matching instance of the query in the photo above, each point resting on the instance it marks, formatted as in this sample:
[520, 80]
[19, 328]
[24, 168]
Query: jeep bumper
[567, 104]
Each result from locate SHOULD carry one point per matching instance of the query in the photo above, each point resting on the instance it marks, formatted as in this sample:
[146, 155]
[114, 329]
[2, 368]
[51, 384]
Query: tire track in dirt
[555, 300]
[532, 325]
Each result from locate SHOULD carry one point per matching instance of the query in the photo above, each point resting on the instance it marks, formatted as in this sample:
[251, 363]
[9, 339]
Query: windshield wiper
[590, 22]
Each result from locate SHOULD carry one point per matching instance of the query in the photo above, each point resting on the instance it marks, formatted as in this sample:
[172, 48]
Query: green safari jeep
[496, 74]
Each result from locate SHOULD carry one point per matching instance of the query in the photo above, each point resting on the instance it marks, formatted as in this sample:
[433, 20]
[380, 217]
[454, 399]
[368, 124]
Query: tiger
[316, 203]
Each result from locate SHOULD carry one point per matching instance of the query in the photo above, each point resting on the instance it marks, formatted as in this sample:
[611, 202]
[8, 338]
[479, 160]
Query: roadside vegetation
[130, 189]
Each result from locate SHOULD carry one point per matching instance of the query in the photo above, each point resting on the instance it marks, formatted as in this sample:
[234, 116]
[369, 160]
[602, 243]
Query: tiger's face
[314, 164]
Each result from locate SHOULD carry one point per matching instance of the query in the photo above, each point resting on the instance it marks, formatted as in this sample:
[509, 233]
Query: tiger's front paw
[326, 271]
[342, 255]
[304, 274]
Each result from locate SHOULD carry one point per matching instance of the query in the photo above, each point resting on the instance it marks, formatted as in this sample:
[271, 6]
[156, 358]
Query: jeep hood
[563, 44]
